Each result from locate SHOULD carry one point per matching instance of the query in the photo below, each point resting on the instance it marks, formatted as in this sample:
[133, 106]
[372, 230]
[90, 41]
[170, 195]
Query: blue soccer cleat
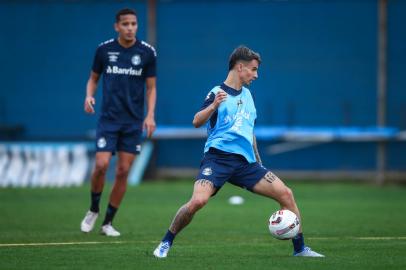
[307, 252]
[162, 250]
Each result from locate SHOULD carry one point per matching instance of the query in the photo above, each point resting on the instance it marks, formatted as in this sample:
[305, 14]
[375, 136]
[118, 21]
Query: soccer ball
[284, 224]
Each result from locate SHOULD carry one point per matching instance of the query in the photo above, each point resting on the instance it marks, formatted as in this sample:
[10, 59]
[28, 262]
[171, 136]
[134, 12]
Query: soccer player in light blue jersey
[128, 66]
[230, 153]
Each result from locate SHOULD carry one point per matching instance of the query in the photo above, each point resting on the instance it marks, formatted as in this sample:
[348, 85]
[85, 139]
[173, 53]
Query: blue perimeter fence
[58, 164]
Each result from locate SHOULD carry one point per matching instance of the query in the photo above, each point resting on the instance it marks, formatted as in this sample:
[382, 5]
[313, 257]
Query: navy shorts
[112, 137]
[220, 167]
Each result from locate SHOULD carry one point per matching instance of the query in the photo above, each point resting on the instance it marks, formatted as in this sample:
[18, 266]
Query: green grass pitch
[357, 226]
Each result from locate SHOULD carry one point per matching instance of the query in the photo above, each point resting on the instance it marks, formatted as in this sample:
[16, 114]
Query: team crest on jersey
[101, 142]
[138, 148]
[207, 171]
[136, 60]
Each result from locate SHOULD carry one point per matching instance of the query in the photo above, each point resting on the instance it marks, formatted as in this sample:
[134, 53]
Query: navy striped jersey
[124, 71]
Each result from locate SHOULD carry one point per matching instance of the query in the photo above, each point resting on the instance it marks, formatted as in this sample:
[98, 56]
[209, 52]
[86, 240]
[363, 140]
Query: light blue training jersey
[233, 129]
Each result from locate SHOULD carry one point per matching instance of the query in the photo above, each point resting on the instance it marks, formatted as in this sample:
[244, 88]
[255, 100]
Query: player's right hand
[221, 96]
[89, 103]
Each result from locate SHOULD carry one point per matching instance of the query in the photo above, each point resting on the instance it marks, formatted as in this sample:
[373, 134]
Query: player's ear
[239, 66]
[116, 27]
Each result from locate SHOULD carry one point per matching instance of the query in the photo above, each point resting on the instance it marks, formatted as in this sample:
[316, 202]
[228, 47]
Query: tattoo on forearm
[258, 157]
[255, 147]
[270, 177]
[182, 218]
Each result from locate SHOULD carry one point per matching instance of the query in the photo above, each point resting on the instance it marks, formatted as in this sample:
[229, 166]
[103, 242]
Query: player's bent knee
[122, 172]
[197, 203]
[101, 167]
[287, 198]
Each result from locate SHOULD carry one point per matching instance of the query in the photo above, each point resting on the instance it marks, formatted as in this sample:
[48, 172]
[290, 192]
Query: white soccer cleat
[88, 222]
[307, 252]
[108, 230]
[162, 250]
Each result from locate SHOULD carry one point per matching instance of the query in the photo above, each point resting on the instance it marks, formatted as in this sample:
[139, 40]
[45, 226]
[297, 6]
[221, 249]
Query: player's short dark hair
[124, 11]
[242, 53]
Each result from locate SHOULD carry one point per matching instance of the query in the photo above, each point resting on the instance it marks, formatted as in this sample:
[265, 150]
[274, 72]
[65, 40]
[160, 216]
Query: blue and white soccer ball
[284, 224]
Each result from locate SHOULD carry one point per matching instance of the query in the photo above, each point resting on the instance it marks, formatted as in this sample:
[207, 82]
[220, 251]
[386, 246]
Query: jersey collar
[229, 90]
[124, 48]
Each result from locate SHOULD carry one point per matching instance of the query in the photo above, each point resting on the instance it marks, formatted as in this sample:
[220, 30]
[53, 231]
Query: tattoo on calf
[182, 218]
[270, 177]
[184, 215]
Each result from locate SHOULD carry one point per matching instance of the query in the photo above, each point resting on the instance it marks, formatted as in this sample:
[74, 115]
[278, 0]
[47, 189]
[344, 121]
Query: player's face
[249, 71]
[127, 27]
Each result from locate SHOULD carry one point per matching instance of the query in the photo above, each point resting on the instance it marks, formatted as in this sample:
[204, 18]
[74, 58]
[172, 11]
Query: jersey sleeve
[97, 66]
[209, 100]
[150, 68]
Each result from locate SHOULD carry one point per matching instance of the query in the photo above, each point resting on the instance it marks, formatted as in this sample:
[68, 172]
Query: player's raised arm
[90, 91]
[203, 115]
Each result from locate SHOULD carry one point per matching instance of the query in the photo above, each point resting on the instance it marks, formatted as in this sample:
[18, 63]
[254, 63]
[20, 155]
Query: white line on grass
[60, 244]
[127, 242]
[372, 238]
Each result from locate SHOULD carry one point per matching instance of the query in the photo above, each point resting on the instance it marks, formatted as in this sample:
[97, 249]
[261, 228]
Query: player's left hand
[89, 104]
[149, 125]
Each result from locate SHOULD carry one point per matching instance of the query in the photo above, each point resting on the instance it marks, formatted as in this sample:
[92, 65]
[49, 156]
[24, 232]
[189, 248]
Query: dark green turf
[221, 236]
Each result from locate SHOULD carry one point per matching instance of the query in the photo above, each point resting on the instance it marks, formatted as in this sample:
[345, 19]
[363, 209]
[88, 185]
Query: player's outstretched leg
[97, 184]
[271, 186]
[203, 189]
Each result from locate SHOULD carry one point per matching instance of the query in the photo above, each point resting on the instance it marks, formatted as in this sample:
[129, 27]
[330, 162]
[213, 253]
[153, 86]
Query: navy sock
[110, 212]
[298, 242]
[169, 236]
[95, 200]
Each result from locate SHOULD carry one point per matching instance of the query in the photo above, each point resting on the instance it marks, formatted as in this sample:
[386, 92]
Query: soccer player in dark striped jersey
[127, 66]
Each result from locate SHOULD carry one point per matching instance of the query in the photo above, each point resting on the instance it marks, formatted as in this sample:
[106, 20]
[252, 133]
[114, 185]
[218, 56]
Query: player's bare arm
[202, 116]
[149, 122]
[90, 91]
[255, 147]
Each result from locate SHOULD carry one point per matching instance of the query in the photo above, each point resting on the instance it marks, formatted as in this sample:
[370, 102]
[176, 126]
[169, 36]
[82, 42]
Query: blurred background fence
[330, 68]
